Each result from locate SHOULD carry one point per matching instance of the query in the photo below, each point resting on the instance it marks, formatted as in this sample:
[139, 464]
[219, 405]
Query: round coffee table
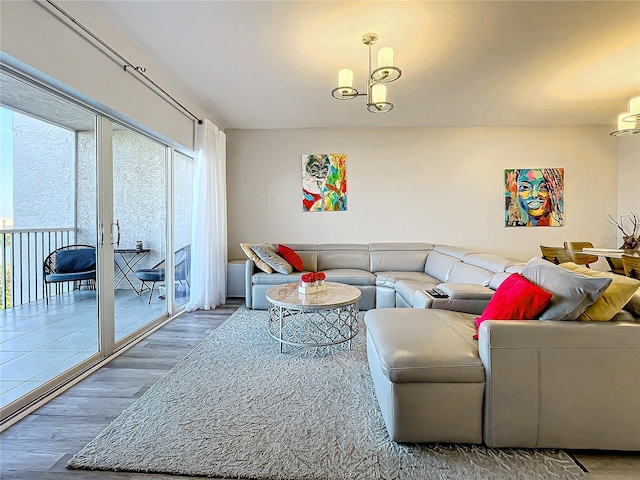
[316, 319]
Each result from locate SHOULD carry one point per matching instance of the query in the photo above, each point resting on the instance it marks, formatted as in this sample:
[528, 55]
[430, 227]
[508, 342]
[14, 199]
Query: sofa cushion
[262, 278]
[246, 248]
[439, 265]
[425, 345]
[451, 251]
[572, 292]
[290, 255]
[406, 257]
[343, 255]
[465, 273]
[350, 276]
[488, 261]
[388, 279]
[268, 255]
[407, 288]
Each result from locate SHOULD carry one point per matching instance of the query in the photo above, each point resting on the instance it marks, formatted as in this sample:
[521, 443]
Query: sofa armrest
[466, 291]
[248, 273]
[474, 306]
[560, 384]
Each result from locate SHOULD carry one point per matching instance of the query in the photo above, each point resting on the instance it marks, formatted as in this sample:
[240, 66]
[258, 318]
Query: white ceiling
[266, 64]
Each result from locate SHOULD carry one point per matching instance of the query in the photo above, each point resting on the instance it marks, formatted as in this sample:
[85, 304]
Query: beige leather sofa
[390, 274]
[532, 384]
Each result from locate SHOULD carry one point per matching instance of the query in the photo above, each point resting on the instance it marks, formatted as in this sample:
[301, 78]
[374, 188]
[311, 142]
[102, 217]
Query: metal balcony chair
[73, 263]
[156, 274]
[631, 266]
[555, 255]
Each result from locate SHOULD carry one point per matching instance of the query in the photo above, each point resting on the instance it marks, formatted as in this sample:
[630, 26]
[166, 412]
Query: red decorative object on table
[312, 282]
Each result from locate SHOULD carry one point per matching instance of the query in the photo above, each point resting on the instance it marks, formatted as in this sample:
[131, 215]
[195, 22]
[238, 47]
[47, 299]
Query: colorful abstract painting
[534, 197]
[324, 182]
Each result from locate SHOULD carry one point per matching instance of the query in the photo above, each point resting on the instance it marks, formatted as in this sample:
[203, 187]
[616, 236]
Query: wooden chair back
[555, 255]
[580, 258]
[631, 266]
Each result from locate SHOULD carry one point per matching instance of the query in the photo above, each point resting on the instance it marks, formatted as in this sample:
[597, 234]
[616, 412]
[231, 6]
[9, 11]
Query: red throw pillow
[515, 299]
[290, 256]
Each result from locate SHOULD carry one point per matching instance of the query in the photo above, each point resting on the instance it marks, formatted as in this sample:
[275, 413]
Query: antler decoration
[631, 239]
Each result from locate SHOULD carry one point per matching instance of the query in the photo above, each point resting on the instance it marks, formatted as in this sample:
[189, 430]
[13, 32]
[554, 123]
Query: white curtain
[209, 222]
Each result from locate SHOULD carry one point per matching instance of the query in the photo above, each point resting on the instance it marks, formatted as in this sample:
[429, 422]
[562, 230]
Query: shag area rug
[236, 407]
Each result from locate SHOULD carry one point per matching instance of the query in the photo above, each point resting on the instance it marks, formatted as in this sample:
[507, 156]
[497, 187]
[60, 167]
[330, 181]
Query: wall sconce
[376, 90]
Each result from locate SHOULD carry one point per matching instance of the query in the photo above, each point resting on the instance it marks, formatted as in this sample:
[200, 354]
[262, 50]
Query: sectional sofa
[535, 384]
[389, 274]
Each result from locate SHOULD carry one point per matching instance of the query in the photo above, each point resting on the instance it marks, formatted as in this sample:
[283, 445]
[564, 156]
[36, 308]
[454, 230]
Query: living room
[475, 98]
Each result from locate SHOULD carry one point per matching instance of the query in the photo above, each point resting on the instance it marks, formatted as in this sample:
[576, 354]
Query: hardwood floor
[40, 445]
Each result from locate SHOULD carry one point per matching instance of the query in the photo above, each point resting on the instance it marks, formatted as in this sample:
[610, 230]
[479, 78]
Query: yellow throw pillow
[616, 296]
[246, 248]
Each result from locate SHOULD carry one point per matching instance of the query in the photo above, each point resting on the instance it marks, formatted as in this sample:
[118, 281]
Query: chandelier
[629, 122]
[376, 88]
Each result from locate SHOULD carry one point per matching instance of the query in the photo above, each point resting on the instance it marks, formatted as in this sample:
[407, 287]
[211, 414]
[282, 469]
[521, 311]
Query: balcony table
[130, 258]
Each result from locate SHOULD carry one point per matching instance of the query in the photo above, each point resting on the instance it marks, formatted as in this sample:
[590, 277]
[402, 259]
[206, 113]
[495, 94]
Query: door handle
[117, 225]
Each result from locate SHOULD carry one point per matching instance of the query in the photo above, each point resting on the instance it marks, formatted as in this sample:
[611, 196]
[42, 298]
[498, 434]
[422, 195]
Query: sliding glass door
[48, 239]
[90, 254]
[139, 208]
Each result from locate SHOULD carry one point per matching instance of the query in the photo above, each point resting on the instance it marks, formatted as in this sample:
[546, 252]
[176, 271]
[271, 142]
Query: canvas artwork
[324, 182]
[534, 197]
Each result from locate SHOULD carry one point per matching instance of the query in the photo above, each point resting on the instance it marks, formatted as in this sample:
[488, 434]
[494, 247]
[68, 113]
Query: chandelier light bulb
[379, 94]
[626, 127]
[345, 80]
[385, 57]
[634, 111]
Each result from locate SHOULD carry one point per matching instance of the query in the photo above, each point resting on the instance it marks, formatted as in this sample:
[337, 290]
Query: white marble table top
[336, 295]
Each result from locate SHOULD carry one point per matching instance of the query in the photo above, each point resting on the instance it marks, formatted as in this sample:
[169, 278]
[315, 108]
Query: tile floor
[39, 341]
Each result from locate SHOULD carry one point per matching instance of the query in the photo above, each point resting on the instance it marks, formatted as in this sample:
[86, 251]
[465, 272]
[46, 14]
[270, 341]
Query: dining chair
[580, 258]
[631, 266]
[555, 255]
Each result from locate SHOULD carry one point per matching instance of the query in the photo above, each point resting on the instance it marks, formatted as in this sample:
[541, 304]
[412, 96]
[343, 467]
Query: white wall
[31, 34]
[628, 178]
[440, 185]
[43, 174]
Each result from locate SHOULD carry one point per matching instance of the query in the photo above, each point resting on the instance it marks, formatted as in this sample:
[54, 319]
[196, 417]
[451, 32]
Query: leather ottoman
[427, 374]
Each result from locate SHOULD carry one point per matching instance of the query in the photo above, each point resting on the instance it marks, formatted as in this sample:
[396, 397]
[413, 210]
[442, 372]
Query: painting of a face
[533, 193]
[324, 182]
[534, 197]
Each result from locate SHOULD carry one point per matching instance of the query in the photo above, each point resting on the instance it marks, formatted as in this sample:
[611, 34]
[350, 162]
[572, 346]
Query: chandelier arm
[369, 85]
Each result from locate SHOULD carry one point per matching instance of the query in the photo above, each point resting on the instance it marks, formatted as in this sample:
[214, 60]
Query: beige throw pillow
[246, 248]
[616, 296]
[633, 305]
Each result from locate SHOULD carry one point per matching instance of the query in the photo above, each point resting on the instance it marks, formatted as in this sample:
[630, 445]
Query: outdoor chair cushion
[150, 274]
[76, 260]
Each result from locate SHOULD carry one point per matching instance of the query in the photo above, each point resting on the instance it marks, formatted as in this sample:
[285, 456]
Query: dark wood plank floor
[39, 446]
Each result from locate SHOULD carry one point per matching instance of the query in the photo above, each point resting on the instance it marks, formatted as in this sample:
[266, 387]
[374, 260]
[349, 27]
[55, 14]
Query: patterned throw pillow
[268, 255]
[246, 248]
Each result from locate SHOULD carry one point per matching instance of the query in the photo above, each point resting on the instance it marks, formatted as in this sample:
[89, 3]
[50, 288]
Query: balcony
[40, 341]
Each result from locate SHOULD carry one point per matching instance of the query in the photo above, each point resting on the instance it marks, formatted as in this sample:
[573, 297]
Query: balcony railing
[22, 254]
